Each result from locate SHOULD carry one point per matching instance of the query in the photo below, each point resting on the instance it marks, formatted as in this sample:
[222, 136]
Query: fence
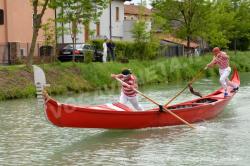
[171, 50]
[4, 53]
[15, 53]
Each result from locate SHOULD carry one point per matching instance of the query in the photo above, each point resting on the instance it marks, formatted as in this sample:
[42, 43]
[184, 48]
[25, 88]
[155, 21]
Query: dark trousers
[111, 55]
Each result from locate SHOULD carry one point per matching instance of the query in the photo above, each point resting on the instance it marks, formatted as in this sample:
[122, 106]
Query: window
[98, 29]
[1, 17]
[117, 13]
[22, 52]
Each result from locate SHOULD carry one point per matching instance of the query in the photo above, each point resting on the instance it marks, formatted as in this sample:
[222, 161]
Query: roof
[135, 10]
[173, 39]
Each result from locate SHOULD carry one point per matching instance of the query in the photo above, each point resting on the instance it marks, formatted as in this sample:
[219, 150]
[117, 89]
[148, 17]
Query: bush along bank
[17, 81]
[133, 50]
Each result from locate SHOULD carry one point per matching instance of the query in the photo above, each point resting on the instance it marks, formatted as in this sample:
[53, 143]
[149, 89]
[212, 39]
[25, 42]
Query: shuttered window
[98, 29]
[117, 14]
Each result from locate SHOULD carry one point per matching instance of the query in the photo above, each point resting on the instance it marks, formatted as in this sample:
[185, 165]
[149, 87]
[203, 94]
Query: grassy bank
[17, 81]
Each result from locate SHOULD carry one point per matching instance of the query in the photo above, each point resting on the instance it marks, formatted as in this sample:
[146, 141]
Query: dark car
[66, 54]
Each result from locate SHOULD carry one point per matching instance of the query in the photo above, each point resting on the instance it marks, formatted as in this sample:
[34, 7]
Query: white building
[110, 25]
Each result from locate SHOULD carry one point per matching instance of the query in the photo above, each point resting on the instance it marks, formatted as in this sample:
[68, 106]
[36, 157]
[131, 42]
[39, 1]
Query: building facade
[110, 25]
[16, 22]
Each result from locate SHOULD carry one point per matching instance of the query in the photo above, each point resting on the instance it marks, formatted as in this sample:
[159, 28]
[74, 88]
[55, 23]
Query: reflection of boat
[119, 116]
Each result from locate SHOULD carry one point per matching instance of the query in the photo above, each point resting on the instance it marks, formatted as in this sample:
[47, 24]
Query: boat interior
[212, 98]
[194, 103]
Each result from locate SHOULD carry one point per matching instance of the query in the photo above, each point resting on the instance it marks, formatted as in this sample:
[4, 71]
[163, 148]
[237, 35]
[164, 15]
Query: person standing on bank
[111, 49]
[105, 50]
[127, 92]
[222, 60]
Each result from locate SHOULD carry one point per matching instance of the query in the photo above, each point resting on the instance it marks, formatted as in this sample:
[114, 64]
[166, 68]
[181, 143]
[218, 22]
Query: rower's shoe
[225, 94]
[235, 89]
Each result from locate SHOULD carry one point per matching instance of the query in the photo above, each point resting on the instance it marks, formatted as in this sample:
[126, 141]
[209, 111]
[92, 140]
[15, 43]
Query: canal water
[26, 138]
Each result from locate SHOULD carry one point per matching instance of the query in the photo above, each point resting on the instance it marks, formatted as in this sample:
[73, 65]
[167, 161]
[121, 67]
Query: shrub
[132, 50]
[97, 44]
[120, 57]
[88, 57]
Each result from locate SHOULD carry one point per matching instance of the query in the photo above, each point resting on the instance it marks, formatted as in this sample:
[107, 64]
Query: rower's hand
[206, 68]
[113, 75]
[128, 86]
[125, 84]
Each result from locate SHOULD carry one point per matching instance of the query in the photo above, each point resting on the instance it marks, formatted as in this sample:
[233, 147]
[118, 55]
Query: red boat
[119, 116]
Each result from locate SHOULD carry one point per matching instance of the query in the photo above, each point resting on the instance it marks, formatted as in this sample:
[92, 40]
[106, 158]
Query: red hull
[65, 115]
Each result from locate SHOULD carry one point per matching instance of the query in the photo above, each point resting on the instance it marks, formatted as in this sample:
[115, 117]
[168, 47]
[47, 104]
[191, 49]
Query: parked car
[67, 53]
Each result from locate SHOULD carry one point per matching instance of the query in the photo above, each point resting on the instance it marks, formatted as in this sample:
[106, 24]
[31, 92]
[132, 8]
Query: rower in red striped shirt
[127, 92]
[222, 60]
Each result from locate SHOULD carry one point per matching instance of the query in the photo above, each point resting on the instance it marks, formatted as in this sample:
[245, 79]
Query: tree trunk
[235, 46]
[74, 47]
[37, 20]
[188, 46]
[74, 33]
[32, 47]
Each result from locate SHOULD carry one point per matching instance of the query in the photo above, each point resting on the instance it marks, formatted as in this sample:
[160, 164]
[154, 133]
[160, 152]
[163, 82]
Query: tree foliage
[145, 46]
[74, 13]
[229, 22]
[184, 18]
[241, 29]
[77, 12]
[139, 32]
[218, 22]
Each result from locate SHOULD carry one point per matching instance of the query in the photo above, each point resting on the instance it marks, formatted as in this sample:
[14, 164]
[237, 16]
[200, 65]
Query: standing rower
[222, 60]
[127, 92]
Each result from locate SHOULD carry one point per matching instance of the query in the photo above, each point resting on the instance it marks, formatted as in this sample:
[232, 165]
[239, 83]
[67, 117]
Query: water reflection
[119, 141]
[26, 138]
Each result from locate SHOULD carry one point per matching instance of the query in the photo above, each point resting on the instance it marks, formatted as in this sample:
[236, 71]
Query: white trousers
[133, 100]
[224, 74]
[104, 57]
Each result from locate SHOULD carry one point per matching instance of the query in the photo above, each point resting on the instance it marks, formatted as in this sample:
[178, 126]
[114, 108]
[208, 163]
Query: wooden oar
[192, 81]
[164, 109]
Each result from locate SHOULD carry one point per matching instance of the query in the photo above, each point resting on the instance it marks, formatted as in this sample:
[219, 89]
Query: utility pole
[110, 20]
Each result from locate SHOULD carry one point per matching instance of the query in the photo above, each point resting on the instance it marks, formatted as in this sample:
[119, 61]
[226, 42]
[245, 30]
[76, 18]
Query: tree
[144, 46]
[182, 17]
[139, 32]
[241, 30]
[229, 24]
[219, 25]
[39, 8]
[78, 12]
[49, 36]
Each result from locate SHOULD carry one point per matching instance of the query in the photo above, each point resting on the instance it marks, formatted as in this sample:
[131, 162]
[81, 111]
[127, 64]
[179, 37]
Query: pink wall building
[16, 25]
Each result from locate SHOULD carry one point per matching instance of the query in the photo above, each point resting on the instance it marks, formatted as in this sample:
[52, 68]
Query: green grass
[17, 81]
